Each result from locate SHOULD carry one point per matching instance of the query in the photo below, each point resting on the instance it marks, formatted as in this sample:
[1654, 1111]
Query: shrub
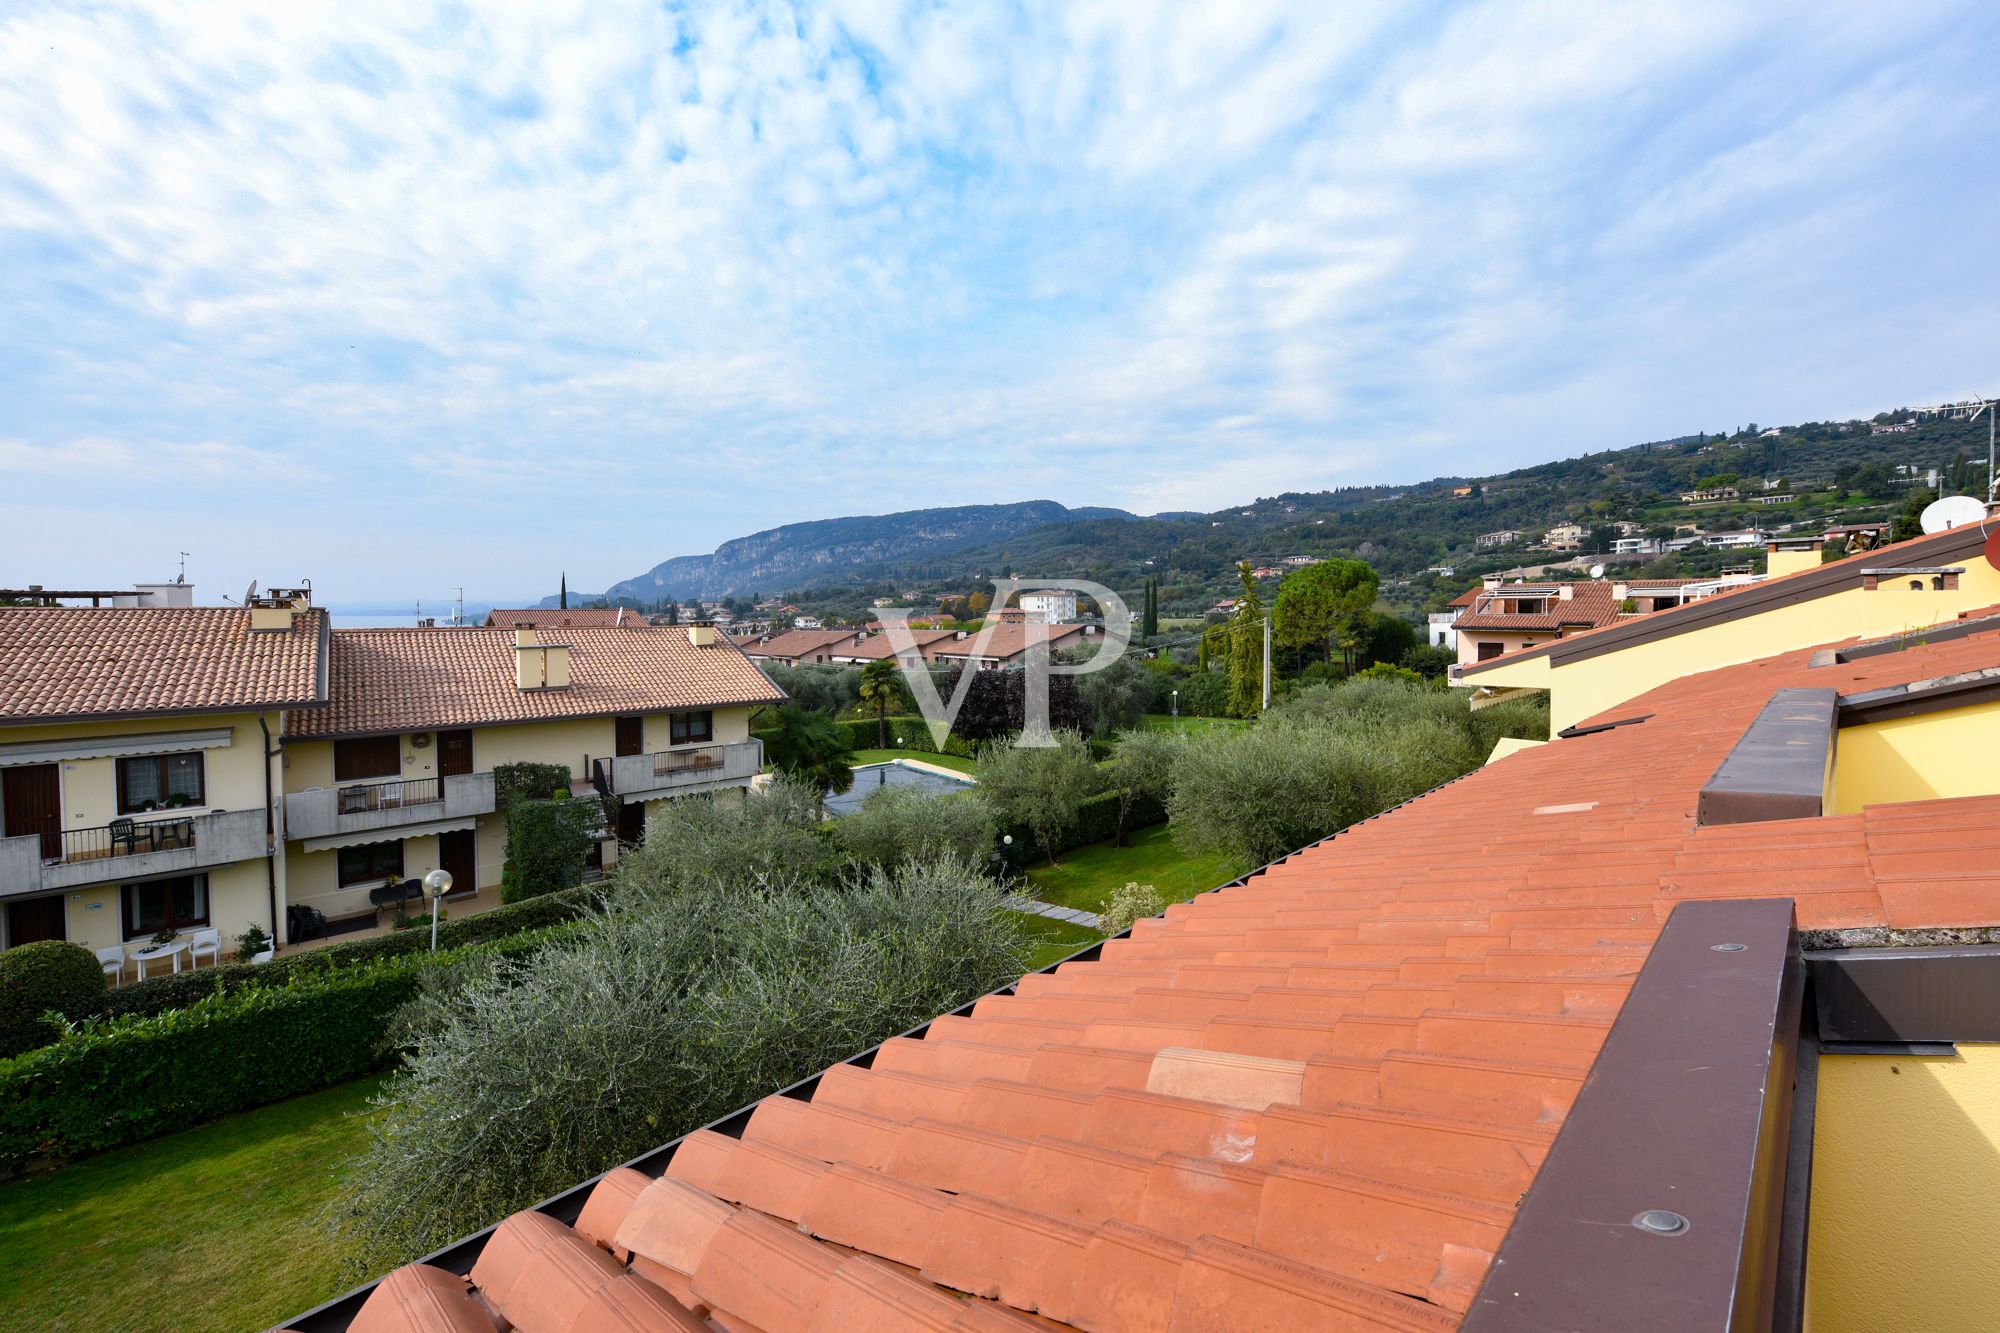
[38, 977]
[1097, 820]
[897, 824]
[527, 782]
[1144, 770]
[705, 842]
[115, 1081]
[1040, 787]
[251, 942]
[1127, 905]
[663, 1013]
[548, 843]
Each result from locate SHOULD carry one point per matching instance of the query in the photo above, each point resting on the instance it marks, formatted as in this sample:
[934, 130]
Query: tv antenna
[183, 578]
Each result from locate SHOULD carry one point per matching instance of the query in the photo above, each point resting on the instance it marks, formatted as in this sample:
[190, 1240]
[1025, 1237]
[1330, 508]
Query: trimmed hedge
[116, 1081]
[1096, 821]
[38, 977]
[178, 990]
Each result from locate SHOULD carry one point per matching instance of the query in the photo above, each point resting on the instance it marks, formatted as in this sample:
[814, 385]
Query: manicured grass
[957, 763]
[1087, 875]
[1193, 726]
[215, 1228]
[1057, 939]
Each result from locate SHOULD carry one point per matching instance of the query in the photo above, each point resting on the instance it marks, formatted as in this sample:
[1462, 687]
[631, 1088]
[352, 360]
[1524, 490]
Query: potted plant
[177, 800]
[254, 946]
[167, 936]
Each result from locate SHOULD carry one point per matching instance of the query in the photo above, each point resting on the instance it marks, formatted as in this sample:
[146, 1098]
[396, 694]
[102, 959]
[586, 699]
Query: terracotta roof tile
[1309, 1101]
[396, 680]
[60, 663]
[544, 617]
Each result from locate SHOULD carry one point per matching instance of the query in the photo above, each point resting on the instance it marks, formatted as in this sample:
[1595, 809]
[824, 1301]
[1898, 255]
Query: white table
[173, 949]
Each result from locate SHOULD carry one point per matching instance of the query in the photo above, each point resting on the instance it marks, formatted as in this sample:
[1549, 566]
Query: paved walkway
[1036, 907]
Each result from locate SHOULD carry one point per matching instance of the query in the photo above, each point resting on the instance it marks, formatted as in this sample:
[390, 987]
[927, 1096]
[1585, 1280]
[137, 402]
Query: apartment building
[395, 775]
[189, 768]
[138, 765]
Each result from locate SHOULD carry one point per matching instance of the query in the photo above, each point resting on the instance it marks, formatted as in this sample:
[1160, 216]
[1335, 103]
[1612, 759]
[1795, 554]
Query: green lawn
[1087, 875]
[1193, 726]
[1057, 940]
[951, 761]
[212, 1228]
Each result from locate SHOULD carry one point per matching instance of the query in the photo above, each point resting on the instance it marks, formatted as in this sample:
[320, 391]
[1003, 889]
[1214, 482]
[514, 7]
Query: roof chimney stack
[538, 665]
[701, 633]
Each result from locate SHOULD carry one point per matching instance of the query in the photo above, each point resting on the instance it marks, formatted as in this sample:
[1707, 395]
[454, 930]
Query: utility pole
[1267, 659]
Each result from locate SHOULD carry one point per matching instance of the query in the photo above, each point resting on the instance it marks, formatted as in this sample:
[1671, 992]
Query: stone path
[1038, 908]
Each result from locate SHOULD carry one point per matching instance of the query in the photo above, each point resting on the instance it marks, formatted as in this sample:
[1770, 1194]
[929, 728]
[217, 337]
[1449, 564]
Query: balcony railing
[320, 812]
[684, 768]
[129, 849]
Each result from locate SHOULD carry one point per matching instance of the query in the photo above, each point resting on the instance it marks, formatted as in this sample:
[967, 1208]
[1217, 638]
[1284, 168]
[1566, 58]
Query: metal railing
[121, 837]
[396, 794]
[690, 766]
[667, 763]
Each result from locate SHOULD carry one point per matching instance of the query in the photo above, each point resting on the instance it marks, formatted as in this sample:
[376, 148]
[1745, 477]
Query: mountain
[839, 550]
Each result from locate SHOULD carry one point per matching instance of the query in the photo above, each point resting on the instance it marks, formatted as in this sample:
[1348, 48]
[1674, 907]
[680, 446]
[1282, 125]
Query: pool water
[871, 778]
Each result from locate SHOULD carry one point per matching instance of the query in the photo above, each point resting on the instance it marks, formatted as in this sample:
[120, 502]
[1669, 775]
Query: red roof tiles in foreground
[1311, 1101]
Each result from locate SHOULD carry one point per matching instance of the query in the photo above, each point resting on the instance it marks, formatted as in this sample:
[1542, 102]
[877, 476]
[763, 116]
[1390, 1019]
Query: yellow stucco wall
[1905, 1227]
[1470, 639]
[1949, 753]
[232, 777]
[238, 895]
[1507, 745]
[1583, 689]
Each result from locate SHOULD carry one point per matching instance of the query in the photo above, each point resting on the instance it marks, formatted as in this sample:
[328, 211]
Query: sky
[400, 298]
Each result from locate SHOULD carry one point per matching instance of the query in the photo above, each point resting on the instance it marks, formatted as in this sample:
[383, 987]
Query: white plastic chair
[112, 960]
[205, 942]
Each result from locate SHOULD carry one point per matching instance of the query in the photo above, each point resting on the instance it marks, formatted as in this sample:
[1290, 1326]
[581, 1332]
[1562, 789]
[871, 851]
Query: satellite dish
[1954, 511]
[250, 593]
[1597, 571]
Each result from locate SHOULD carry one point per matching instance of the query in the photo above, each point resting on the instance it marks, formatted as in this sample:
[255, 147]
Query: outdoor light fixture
[437, 884]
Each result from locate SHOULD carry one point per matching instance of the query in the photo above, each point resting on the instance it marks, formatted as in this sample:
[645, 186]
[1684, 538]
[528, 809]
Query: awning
[113, 747]
[361, 837]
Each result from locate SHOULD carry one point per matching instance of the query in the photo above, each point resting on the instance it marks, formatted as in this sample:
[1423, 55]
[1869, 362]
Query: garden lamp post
[437, 884]
[1177, 710]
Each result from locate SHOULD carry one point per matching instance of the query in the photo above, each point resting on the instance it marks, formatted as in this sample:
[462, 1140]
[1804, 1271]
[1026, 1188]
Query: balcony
[129, 849]
[358, 807]
[681, 771]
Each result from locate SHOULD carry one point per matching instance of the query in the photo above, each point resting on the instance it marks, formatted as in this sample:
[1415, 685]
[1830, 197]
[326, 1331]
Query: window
[1489, 651]
[687, 728]
[369, 862]
[165, 904]
[151, 781]
[368, 757]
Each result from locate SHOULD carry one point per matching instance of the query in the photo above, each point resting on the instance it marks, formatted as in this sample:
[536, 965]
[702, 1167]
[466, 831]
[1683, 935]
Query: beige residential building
[396, 775]
[138, 768]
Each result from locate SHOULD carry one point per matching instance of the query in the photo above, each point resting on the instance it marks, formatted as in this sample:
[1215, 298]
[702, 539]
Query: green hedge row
[178, 990]
[119, 1080]
[1096, 821]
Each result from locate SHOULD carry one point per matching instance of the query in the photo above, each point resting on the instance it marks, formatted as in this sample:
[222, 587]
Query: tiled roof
[1590, 603]
[392, 680]
[1310, 1101]
[802, 642]
[543, 617]
[879, 645]
[1006, 640]
[83, 662]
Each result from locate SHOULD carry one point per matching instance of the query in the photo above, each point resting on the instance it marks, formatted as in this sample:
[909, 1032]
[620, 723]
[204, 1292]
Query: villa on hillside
[210, 768]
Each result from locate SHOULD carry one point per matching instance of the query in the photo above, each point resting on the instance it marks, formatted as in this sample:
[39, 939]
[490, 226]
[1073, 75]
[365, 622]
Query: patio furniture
[205, 942]
[395, 895]
[171, 949]
[112, 959]
[172, 833]
[125, 833]
[304, 923]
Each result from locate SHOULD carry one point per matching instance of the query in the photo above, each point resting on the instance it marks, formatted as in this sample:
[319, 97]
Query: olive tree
[1038, 787]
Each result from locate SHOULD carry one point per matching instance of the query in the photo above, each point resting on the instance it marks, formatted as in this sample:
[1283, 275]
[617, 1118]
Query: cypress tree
[563, 600]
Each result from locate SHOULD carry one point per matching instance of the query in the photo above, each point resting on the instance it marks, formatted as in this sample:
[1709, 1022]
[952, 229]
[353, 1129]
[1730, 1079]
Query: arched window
[1917, 585]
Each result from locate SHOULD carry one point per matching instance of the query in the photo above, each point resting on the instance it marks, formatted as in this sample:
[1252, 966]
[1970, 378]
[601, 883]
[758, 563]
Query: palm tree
[808, 746]
[881, 685]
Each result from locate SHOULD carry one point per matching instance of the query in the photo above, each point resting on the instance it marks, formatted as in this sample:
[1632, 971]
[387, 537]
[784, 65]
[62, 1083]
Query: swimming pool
[871, 778]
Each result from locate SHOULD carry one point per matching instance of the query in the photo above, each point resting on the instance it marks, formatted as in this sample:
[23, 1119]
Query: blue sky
[400, 299]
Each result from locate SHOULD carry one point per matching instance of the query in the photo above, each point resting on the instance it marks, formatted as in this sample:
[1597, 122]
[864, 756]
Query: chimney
[538, 665]
[701, 633]
[1789, 555]
[1568, 593]
[275, 610]
[1491, 581]
[1620, 591]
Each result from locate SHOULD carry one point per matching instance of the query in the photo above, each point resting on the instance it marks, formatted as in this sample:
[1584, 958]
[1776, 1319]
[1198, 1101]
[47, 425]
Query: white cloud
[749, 263]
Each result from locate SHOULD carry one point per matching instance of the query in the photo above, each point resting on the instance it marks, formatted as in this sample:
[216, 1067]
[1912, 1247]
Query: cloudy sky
[401, 299]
